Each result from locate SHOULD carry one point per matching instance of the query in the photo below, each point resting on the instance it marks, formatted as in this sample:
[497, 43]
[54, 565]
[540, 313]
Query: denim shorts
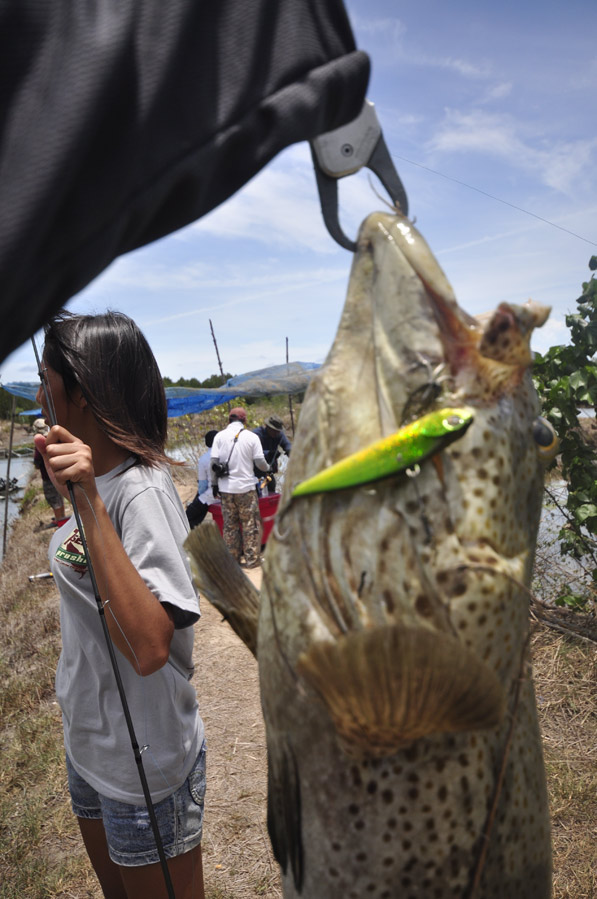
[128, 827]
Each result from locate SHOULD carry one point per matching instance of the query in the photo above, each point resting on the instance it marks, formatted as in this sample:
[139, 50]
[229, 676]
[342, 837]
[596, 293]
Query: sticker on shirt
[70, 553]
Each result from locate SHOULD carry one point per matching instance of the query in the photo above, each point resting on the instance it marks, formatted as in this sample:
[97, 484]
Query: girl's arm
[140, 626]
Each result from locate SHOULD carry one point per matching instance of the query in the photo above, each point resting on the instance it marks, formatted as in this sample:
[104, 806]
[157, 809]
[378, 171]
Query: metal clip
[343, 152]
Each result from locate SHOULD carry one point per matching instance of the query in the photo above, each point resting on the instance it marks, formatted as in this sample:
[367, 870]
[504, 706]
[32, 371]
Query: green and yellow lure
[411, 444]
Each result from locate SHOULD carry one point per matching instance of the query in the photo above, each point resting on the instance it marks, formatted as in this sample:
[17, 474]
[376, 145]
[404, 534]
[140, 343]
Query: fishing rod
[137, 751]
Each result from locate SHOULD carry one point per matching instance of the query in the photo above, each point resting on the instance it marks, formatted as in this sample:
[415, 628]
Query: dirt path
[237, 857]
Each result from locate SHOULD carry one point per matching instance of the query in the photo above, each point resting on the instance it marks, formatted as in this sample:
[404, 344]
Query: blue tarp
[22, 388]
[290, 378]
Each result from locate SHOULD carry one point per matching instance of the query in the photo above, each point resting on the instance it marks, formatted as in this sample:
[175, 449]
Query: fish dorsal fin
[386, 687]
[219, 577]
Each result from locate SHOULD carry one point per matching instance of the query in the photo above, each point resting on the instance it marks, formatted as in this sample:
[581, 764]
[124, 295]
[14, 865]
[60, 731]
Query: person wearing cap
[197, 509]
[273, 440]
[234, 454]
[52, 496]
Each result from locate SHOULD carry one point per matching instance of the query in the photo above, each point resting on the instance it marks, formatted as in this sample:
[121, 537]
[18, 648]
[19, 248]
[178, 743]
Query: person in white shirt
[197, 509]
[234, 452]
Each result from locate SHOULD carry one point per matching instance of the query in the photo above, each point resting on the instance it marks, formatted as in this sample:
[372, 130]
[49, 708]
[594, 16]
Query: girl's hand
[67, 459]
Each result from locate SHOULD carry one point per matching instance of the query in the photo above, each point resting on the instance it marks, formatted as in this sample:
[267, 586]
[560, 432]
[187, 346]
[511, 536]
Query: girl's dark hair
[109, 359]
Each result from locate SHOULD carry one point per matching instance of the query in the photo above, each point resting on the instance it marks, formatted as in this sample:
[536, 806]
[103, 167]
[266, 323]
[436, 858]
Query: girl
[108, 399]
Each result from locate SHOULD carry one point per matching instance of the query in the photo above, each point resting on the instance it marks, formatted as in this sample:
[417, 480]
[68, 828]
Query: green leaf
[587, 510]
[572, 600]
[578, 379]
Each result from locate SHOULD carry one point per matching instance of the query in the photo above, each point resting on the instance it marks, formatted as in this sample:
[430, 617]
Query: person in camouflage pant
[242, 526]
[234, 452]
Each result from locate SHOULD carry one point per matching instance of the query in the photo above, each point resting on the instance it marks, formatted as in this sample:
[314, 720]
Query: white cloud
[559, 165]
[383, 29]
[553, 333]
[498, 92]
[567, 163]
[279, 207]
[140, 271]
[387, 34]
[257, 293]
[462, 66]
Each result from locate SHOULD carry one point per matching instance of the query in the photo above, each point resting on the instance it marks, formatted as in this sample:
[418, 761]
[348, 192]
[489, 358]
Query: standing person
[53, 498]
[273, 439]
[234, 453]
[107, 393]
[197, 509]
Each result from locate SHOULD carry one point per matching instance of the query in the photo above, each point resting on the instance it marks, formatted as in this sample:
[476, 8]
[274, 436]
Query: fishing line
[137, 751]
[497, 199]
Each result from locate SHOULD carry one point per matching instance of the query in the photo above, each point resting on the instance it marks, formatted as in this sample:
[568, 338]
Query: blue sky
[498, 96]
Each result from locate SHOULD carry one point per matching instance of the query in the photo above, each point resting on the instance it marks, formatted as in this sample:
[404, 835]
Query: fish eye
[546, 438]
[452, 422]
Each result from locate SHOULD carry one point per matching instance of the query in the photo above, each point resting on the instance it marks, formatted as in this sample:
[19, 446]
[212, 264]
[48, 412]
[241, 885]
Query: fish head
[403, 602]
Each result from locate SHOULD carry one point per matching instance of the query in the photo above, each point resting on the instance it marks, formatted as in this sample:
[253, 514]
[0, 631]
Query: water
[556, 574]
[20, 468]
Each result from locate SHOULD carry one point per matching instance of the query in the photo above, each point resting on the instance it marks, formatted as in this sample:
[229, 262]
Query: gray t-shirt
[147, 514]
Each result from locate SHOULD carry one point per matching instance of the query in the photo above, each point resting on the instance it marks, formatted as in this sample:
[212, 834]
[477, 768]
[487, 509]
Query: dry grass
[566, 684]
[237, 857]
[41, 854]
[40, 851]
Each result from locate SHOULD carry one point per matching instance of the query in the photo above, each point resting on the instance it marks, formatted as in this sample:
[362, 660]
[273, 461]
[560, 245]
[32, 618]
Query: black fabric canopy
[123, 120]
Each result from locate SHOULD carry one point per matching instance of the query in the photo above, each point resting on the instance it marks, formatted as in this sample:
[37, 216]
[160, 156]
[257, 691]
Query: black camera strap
[234, 444]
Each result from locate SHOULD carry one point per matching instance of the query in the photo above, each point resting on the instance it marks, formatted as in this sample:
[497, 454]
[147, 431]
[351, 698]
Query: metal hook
[343, 152]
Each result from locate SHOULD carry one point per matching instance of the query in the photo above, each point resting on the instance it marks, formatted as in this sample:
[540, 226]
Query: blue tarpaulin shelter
[26, 389]
[290, 378]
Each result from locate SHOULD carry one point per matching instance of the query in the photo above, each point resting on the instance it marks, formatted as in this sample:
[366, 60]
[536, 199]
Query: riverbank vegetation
[566, 380]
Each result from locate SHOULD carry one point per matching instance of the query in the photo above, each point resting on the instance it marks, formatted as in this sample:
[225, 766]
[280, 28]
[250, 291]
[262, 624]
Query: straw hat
[40, 427]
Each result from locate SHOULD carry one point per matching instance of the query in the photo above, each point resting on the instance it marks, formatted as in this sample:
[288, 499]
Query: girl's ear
[78, 399]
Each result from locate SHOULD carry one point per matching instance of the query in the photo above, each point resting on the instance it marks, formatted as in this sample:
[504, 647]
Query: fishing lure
[410, 445]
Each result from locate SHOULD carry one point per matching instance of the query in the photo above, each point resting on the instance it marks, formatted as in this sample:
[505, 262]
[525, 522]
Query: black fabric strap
[121, 122]
[234, 443]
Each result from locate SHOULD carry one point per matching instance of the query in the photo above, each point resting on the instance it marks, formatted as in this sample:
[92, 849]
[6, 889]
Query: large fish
[392, 629]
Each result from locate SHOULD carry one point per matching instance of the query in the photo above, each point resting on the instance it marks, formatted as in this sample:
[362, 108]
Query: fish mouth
[478, 357]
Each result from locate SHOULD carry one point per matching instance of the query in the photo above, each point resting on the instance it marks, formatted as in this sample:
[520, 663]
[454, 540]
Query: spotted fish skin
[404, 753]
[392, 815]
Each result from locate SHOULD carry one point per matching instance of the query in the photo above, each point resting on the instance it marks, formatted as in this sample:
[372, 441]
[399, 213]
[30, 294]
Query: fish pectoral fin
[386, 687]
[219, 577]
[284, 822]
